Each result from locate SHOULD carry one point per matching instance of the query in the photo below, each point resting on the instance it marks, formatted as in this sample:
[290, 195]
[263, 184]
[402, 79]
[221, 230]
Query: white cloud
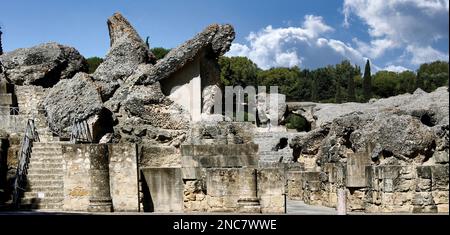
[399, 24]
[376, 48]
[303, 46]
[395, 68]
[422, 55]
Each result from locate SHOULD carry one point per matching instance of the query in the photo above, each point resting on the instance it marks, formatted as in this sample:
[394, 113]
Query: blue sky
[394, 35]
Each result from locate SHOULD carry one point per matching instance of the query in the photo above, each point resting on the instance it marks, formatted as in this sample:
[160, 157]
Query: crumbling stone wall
[386, 155]
[29, 99]
[122, 165]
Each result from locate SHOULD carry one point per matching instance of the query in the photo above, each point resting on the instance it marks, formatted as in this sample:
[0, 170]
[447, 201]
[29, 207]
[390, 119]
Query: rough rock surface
[216, 39]
[401, 129]
[145, 114]
[44, 64]
[73, 98]
[434, 104]
[127, 52]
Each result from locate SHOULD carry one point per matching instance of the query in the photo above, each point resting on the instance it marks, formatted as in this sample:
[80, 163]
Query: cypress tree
[147, 43]
[367, 82]
[1, 47]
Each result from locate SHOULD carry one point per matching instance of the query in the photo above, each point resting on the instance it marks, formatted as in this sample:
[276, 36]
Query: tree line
[338, 83]
[343, 82]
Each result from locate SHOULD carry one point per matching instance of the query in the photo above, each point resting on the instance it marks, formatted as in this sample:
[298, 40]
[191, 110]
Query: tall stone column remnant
[100, 200]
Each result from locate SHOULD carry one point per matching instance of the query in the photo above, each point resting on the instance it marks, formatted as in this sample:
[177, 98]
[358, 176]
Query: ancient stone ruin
[141, 134]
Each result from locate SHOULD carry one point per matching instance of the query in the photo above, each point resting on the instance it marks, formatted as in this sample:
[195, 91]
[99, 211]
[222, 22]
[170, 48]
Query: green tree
[406, 82]
[238, 71]
[338, 96]
[290, 81]
[324, 79]
[93, 63]
[346, 72]
[314, 97]
[432, 75]
[159, 52]
[385, 83]
[367, 82]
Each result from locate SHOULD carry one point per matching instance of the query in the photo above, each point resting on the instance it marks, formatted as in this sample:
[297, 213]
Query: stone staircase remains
[45, 177]
[267, 142]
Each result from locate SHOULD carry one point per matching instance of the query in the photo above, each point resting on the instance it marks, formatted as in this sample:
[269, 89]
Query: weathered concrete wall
[166, 189]
[13, 123]
[123, 174]
[184, 88]
[271, 190]
[356, 169]
[78, 181]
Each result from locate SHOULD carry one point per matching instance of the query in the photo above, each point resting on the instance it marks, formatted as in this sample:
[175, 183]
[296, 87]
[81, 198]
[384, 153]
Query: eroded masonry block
[123, 177]
[294, 185]
[166, 189]
[232, 189]
[215, 156]
[271, 190]
[356, 165]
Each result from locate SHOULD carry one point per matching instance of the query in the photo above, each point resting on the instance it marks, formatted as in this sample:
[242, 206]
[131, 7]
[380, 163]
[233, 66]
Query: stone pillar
[341, 201]
[100, 200]
[248, 202]
[341, 190]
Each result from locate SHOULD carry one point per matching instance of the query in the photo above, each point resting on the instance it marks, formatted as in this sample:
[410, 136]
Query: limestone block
[441, 157]
[166, 188]
[440, 177]
[222, 181]
[423, 199]
[442, 208]
[271, 181]
[388, 185]
[214, 202]
[404, 185]
[440, 197]
[77, 183]
[123, 177]
[191, 173]
[401, 198]
[159, 156]
[387, 199]
[219, 156]
[424, 172]
[356, 165]
[423, 185]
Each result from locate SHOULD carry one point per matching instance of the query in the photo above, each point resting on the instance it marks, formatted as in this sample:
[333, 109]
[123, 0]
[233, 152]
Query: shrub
[294, 121]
